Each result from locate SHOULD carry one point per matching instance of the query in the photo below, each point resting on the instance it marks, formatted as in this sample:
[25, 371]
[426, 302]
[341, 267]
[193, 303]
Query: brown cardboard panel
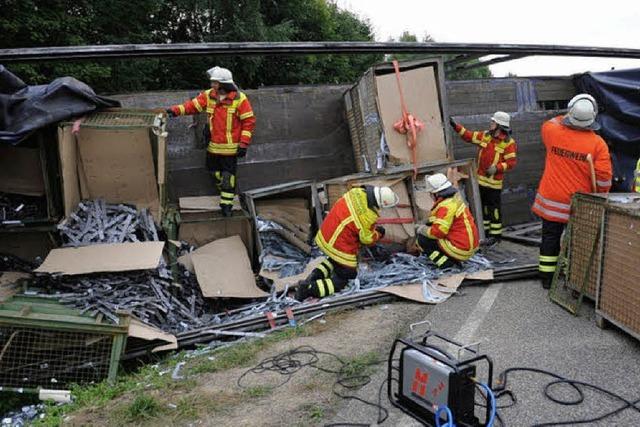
[186, 261]
[225, 271]
[103, 258]
[68, 151]
[166, 341]
[202, 232]
[21, 171]
[204, 203]
[281, 283]
[119, 167]
[421, 96]
[297, 208]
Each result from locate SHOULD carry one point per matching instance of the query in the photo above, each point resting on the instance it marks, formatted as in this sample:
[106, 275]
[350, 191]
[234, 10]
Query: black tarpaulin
[618, 96]
[24, 109]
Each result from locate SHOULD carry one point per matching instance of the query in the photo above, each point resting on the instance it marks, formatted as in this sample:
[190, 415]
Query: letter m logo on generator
[419, 385]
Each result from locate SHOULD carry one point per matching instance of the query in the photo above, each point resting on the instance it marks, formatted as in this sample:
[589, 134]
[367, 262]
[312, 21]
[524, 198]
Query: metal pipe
[35, 54]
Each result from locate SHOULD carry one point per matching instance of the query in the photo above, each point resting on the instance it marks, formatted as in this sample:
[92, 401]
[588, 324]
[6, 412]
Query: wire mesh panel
[120, 119]
[586, 220]
[619, 296]
[36, 357]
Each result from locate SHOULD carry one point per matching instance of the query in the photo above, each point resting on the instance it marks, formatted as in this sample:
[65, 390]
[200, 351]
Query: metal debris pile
[96, 221]
[278, 254]
[17, 208]
[149, 295]
[25, 416]
[10, 262]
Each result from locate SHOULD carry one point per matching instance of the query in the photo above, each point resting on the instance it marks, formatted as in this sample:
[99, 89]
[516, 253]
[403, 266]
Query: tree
[32, 23]
[481, 72]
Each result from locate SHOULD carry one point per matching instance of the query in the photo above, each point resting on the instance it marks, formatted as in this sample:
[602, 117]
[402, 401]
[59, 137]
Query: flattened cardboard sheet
[421, 96]
[296, 209]
[225, 271]
[204, 204]
[21, 171]
[281, 283]
[203, 234]
[103, 258]
[166, 341]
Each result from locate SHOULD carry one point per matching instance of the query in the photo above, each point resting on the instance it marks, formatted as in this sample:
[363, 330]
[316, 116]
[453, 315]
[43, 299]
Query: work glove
[491, 170]
[452, 122]
[422, 229]
[242, 151]
[170, 112]
[380, 229]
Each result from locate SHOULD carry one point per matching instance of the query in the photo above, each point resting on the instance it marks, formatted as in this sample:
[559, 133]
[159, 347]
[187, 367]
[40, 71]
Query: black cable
[501, 390]
[292, 361]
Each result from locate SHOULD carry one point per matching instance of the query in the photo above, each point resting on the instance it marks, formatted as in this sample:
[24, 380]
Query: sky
[616, 23]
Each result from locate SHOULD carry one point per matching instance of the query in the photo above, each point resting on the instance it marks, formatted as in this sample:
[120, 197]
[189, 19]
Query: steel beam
[498, 60]
[295, 48]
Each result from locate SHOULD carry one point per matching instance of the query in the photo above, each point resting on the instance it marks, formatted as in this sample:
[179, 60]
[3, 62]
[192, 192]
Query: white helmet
[502, 118]
[219, 74]
[437, 182]
[385, 197]
[583, 109]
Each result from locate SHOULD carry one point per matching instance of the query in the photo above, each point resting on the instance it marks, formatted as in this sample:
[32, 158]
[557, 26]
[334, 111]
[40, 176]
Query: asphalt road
[519, 327]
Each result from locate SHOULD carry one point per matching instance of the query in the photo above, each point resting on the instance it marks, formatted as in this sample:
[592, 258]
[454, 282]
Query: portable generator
[423, 379]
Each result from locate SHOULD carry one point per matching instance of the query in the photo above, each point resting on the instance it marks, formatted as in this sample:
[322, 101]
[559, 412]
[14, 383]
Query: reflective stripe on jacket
[636, 186]
[453, 226]
[231, 120]
[349, 223]
[493, 151]
[567, 170]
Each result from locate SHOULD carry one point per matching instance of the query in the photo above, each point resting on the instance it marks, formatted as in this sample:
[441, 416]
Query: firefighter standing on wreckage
[573, 149]
[451, 234]
[349, 224]
[496, 156]
[231, 123]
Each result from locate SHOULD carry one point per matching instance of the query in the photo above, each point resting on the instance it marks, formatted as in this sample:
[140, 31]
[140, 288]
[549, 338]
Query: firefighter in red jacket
[569, 141]
[349, 224]
[451, 234]
[231, 123]
[496, 155]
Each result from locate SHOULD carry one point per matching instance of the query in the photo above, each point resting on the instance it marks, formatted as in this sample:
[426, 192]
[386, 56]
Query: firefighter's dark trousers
[429, 247]
[491, 211]
[549, 250]
[328, 278]
[224, 169]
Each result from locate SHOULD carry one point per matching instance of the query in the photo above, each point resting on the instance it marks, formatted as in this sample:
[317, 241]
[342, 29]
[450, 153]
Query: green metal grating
[46, 345]
[119, 119]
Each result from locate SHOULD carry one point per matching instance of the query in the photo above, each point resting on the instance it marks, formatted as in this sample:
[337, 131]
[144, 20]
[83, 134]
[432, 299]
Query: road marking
[475, 319]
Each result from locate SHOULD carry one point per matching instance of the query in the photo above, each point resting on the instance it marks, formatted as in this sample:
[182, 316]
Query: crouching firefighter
[451, 234]
[349, 224]
[231, 123]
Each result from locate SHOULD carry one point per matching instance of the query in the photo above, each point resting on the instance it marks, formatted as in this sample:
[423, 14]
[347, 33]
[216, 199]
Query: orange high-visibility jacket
[349, 223]
[566, 169]
[497, 151]
[231, 120]
[452, 224]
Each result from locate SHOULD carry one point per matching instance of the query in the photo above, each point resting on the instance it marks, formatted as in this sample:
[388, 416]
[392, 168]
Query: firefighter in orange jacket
[569, 141]
[231, 123]
[349, 224]
[496, 155]
[451, 234]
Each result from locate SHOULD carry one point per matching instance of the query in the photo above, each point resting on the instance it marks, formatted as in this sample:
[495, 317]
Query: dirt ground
[306, 399]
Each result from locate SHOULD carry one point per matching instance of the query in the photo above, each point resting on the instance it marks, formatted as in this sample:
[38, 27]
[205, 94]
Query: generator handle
[424, 322]
[469, 347]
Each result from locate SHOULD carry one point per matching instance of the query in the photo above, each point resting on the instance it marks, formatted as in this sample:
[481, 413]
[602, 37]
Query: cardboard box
[118, 155]
[373, 106]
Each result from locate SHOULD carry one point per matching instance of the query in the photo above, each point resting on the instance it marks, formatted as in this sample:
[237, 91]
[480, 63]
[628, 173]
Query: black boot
[226, 210]
[303, 290]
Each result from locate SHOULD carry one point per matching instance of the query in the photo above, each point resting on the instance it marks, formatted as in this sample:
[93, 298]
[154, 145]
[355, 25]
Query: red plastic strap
[292, 320]
[395, 221]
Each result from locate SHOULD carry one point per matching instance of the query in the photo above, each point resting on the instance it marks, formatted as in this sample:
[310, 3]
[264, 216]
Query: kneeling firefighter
[349, 224]
[451, 234]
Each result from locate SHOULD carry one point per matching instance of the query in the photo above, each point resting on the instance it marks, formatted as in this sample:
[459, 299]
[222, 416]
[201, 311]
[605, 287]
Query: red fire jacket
[231, 120]
[567, 170]
[349, 224]
[453, 226]
[493, 151]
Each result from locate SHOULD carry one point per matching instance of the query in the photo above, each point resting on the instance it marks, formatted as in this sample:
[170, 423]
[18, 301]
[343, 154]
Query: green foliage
[142, 408]
[475, 73]
[33, 23]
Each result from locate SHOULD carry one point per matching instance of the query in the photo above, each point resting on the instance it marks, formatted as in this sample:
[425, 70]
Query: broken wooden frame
[336, 187]
[529, 233]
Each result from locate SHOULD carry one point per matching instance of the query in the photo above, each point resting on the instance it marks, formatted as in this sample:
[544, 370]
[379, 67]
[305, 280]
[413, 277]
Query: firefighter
[568, 139]
[636, 178]
[231, 122]
[349, 224]
[496, 155]
[451, 234]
